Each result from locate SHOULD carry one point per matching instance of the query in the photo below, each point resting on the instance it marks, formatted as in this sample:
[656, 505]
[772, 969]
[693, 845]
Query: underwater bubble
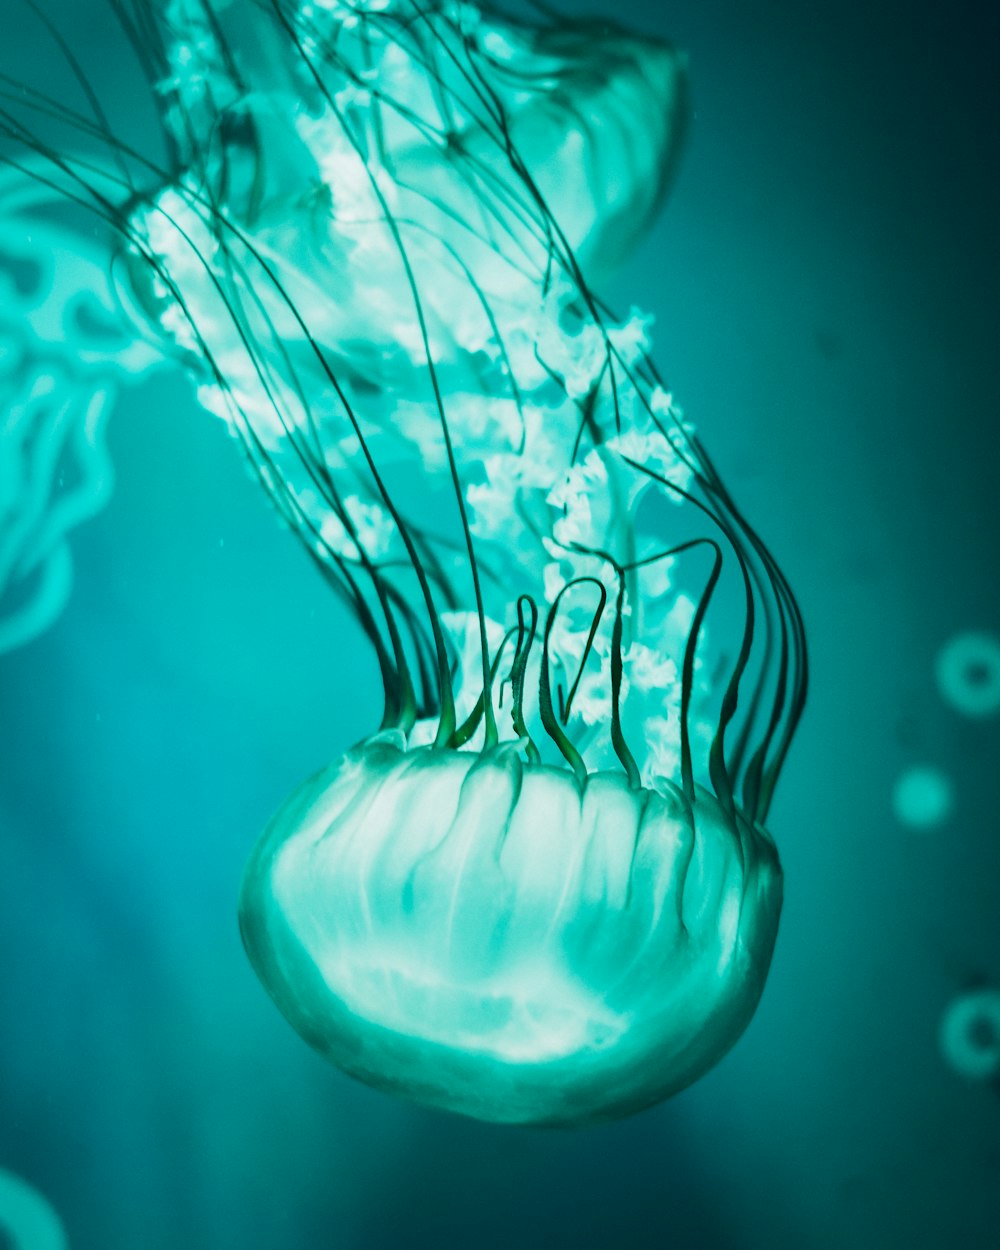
[970, 1035]
[27, 1220]
[922, 797]
[968, 673]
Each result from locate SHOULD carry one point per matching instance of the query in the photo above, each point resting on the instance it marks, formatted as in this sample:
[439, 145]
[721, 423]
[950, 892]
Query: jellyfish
[66, 345]
[541, 890]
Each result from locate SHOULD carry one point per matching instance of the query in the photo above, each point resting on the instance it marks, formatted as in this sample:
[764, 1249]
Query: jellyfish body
[389, 288]
[494, 938]
[542, 892]
[66, 346]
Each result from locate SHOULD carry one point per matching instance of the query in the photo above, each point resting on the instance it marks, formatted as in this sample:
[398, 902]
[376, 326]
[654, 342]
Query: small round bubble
[970, 1035]
[968, 674]
[923, 797]
[27, 1220]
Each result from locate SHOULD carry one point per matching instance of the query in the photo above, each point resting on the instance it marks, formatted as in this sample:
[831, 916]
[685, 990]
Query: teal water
[825, 283]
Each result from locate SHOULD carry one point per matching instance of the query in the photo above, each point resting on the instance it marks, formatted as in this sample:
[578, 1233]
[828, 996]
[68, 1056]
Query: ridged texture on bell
[491, 937]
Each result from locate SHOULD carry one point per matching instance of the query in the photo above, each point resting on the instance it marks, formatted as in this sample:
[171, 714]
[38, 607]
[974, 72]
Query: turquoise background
[825, 282]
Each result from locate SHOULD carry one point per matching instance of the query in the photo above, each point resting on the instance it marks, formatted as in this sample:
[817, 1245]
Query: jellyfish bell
[496, 938]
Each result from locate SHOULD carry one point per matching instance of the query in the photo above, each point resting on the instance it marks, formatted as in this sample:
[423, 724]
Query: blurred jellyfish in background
[541, 891]
[968, 674]
[970, 1035]
[27, 1221]
[66, 345]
